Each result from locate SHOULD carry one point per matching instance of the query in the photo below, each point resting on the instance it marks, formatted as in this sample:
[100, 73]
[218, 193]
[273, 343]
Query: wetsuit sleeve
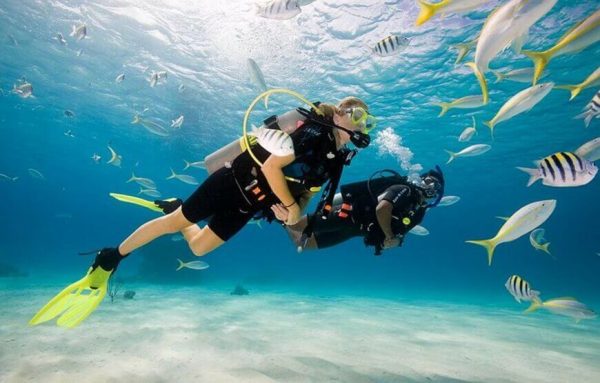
[400, 196]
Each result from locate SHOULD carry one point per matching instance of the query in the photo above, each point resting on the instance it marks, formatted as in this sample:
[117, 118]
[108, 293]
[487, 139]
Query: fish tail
[482, 82]
[544, 248]
[187, 164]
[462, 52]
[444, 105]
[574, 89]
[173, 175]
[587, 116]
[73, 30]
[499, 76]
[490, 124]
[536, 303]
[428, 10]
[136, 119]
[132, 178]
[181, 265]
[534, 175]
[267, 102]
[489, 245]
[540, 60]
[452, 156]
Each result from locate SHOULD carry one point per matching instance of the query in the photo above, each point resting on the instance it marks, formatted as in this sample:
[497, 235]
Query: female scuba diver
[381, 210]
[279, 166]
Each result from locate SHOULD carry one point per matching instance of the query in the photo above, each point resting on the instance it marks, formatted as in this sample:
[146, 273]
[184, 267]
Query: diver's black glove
[168, 205]
[108, 258]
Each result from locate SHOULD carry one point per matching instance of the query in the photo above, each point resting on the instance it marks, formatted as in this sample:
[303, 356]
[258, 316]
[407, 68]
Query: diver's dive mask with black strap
[432, 185]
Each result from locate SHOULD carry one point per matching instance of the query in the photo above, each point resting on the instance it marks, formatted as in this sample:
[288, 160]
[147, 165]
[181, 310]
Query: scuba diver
[381, 210]
[281, 165]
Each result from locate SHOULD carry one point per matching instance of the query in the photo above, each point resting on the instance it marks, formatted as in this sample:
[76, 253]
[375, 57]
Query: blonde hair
[348, 102]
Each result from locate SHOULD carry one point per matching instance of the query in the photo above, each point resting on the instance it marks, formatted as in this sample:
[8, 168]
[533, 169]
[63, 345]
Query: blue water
[322, 53]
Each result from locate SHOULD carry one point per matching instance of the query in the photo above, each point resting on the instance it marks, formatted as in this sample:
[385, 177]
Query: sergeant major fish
[591, 110]
[520, 289]
[391, 45]
[279, 9]
[562, 169]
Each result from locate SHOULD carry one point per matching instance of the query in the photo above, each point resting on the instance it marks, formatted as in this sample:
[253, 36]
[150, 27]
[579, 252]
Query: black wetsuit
[407, 212]
[231, 196]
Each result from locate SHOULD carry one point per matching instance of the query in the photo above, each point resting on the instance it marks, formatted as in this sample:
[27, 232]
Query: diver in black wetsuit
[381, 210]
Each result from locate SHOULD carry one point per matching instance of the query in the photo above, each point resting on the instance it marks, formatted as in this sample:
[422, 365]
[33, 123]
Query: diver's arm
[272, 169]
[384, 218]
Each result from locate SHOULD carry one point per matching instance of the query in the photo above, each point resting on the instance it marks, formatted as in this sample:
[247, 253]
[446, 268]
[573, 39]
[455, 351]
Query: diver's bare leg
[151, 230]
[205, 241]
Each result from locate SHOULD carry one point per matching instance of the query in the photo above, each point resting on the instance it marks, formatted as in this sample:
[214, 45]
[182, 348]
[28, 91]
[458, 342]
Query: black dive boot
[168, 205]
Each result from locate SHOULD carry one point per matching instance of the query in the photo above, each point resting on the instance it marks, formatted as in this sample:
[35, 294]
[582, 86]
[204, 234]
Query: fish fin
[499, 76]
[474, 124]
[172, 174]
[534, 175]
[535, 296]
[482, 82]
[489, 245]
[544, 248]
[490, 124]
[267, 102]
[540, 60]
[73, 30]
[517, 299]
[259, 224]
[574, 89]
[136, 119]
[181, 264]
[452, 156]
[535, 304]
[503, 218]
[444, 105]
[187, 164]
[427, 11]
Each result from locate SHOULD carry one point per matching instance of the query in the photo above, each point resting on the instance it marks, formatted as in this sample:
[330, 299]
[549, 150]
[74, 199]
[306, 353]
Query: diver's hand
[281, 213]
[388, 243]
[294, 215]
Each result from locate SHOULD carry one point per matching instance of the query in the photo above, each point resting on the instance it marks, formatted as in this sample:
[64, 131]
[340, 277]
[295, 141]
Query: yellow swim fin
[136, 201]
[77, 301]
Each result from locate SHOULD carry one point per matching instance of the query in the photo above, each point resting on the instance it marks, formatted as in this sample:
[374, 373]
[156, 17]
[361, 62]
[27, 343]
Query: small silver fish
[69, 113]
[255, 222]
[7, 178]
[181, 88]
[197, 164]
[60, 38]
[468, 133]
[12, 40]
[145, 182]
[524, 75]
[520, 289]
[36, 174]
[23, 90]
[471, 151]
[537, 240]
[590, 150]
[79, 52]
[176, 123]
[419, 230]
[69, 133]
[391, 45]
[183, 178]
[150, 126]
[449, 200]
[79, 32]
[96, 158]
[150, 192]
[155, 78]
[120, 78]
[562, 169]
[194, 265]
[279, 9]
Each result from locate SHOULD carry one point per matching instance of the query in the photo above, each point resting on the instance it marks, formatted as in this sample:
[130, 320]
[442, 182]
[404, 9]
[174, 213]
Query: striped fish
[562, 169]
[591, 110]
[279, 9]
[390, 45]
[275, 141]
[520, 289]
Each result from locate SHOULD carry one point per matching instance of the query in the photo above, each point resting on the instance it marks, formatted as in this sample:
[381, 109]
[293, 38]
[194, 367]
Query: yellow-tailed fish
[150, 126]
[590, 150]
[196, 164]
[467, 102]
[507, 23]
[592, 80]
[576, 39]
[468, 133]
[183, 178]
[8, 178]
[562, 169]
[520, 103]
[591, 110]
[471, 151]
[115, 159]
[523, 75]
[464, 49]
[428, 10]
[145, 182]
[520, 289]
[537, 240]
[520, 223]
[566, 306]
[194, 265]
[150, 192]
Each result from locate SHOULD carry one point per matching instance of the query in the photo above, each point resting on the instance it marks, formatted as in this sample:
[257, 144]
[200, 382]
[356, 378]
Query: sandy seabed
[207, 335]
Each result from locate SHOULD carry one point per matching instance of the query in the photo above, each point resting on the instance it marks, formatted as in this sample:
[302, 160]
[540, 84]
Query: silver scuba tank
[287, 122]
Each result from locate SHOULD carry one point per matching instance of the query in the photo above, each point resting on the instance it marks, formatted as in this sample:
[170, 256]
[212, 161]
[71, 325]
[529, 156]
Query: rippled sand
[199, 334]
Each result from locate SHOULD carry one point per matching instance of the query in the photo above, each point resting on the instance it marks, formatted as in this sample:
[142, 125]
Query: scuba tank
[287, 123]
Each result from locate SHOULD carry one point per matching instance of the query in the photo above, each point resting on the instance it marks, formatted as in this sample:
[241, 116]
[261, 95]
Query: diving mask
[361, 118]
